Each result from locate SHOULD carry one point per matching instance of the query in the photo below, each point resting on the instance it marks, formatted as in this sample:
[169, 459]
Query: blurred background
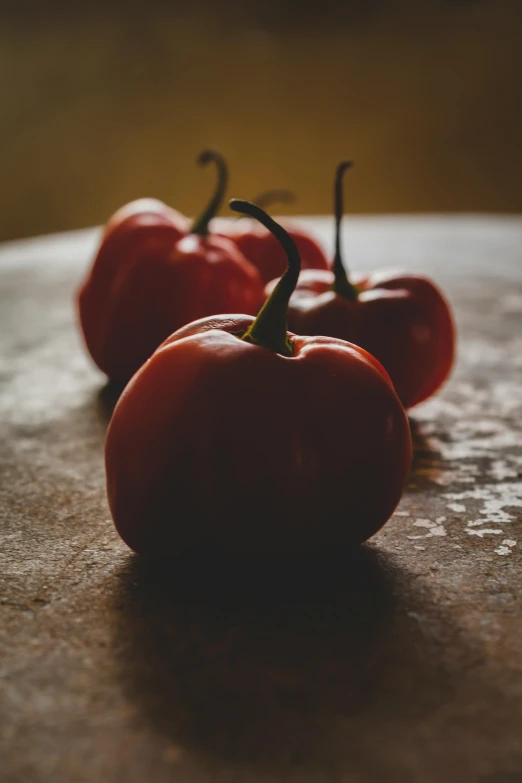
[105, 102]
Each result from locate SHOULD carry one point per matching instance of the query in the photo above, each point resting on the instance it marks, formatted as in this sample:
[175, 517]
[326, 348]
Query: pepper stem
[274, 196]
[341, 285]
[269, 329]
[268, 197]
[200, 225]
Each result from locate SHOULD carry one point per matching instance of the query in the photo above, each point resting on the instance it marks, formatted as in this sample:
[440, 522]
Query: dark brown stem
[341, 285]
[200, 225]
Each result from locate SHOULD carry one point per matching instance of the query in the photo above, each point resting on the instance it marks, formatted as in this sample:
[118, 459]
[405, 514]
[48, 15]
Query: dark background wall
[104, 102]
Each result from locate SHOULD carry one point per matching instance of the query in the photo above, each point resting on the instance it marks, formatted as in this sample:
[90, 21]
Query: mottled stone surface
[402, 662]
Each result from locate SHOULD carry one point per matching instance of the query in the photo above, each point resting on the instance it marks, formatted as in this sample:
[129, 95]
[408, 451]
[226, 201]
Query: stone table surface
[400, 662]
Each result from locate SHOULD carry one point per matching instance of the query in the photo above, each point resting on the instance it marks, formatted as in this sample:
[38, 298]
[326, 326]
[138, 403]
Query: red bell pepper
[240, 436]
[154, 273]
[402, 319]
[264, 251]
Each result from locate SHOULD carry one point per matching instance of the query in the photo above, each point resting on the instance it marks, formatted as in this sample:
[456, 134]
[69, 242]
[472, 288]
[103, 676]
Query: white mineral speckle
[500, 470]
[495, 498]
[484, 531]
[438, 530]
[434, 528]
[472, 437]
[424, 523]
[458, 508]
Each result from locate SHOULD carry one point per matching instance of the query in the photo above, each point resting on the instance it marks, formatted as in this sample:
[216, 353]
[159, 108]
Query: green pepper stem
[341, 285]
[269, 329]
[200, 225]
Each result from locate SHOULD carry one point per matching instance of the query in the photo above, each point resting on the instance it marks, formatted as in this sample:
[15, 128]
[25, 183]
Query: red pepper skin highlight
[153, 273]
[243, 438]
[402, 319]
[143, 211]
